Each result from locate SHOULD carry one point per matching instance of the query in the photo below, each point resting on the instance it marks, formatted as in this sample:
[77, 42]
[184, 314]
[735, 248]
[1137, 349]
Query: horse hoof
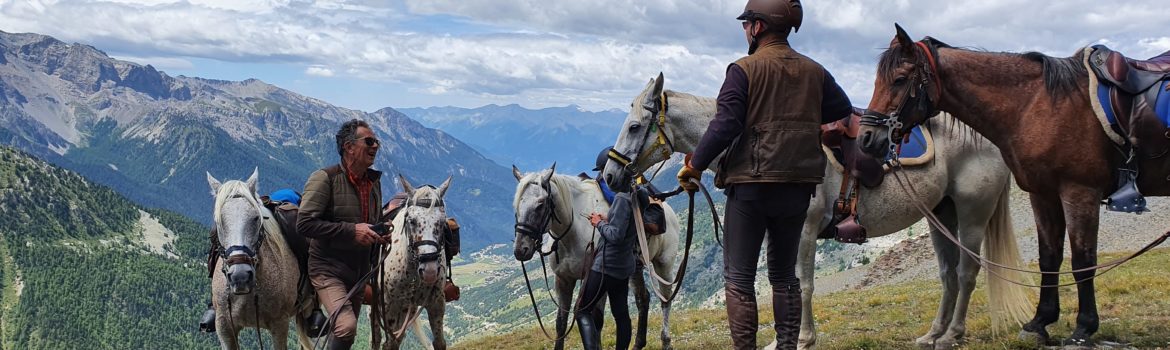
[1040, 340]
[925, 342]
[666, 344]
[945, 344]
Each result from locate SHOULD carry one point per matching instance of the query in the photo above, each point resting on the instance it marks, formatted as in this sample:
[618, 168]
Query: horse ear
[443, 187]
[214, 184]
[516, 173]
[551, 170]
[252, 180]
[651, 100]
[903, 39]
[406, 187]
[658, 84]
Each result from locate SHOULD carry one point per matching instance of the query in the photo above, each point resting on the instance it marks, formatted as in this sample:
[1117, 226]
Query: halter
[428, 204]
[661, 144]
[923, 76]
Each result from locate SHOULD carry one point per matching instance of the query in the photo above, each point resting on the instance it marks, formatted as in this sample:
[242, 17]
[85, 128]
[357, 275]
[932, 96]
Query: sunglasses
[370, 141]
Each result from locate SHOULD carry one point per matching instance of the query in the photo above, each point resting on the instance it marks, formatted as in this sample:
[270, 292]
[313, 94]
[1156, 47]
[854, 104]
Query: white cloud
[319, 71]
[596, 54]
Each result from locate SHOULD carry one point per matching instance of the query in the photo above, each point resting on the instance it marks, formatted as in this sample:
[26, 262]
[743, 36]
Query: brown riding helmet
[778, 14]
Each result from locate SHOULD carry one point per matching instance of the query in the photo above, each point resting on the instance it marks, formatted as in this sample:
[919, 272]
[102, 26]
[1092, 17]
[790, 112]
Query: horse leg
[227, 332]
[664, 269]
[806, 269]
[642, 300]
[564, 287]
[303, 332]
[971, 235]
[1050, 235]
[279, 334]
[436, 309]
[948, 259]
[1082, 213]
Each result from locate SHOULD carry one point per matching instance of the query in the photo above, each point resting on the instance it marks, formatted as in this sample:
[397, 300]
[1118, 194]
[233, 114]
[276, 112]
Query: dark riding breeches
[775, 211]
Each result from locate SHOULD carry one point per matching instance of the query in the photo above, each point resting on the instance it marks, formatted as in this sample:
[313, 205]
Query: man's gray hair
[348, 133]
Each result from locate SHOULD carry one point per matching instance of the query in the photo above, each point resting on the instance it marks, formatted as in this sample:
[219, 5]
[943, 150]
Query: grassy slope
[1133, 302]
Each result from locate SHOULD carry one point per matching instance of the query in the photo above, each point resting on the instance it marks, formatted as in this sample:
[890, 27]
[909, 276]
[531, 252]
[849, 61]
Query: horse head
[642, 141]
[425, 224]
[535, 206]
[905, 94]
[239, 225]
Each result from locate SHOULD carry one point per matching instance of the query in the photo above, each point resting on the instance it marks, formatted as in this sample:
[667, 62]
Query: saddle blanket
[1161, 104]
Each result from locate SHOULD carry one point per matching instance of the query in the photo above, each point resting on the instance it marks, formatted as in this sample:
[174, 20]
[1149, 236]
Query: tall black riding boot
[340, 344]
[316, 322]
[787, 308]
[207, 323]
[741, 318]
[590, 335]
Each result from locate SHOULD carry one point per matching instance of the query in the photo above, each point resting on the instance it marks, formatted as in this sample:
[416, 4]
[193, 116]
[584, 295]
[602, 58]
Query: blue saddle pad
[914, 147]
[1161, 105]
[286, 195]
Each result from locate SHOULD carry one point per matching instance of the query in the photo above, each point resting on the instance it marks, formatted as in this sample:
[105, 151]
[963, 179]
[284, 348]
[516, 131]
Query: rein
[908, 187]
[532, 298]
[680, 274]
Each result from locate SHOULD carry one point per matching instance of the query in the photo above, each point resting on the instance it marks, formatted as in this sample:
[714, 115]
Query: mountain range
[528, 138]
[152, 136]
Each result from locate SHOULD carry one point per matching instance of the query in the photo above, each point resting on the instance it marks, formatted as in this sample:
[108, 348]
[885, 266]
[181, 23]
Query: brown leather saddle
[1133, 97]
[286, 217]
[840, 138]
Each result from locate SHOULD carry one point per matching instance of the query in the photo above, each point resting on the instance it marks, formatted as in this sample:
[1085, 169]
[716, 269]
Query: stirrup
[316, 322]
[851, 231]
[1127, 199]
[207, 322]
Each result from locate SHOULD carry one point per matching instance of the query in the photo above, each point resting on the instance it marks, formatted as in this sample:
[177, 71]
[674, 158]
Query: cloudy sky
[368, 54]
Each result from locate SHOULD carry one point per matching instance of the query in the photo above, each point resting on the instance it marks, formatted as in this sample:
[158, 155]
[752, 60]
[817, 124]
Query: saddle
[1132, 98]
[286, 217]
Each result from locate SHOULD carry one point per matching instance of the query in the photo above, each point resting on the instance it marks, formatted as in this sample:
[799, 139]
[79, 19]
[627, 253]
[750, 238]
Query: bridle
[661, 144]
[249, 256]
[545, 215]
[409, 229]
[922, 93]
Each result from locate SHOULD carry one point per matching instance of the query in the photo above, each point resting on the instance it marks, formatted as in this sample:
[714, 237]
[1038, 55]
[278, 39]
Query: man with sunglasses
[340, 206]
[768, 118]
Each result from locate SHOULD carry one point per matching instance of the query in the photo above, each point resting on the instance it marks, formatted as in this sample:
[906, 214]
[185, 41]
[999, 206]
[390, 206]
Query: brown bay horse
[1037, 110]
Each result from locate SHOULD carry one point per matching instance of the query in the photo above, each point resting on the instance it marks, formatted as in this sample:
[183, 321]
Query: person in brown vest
[768, 118]
[340, 206]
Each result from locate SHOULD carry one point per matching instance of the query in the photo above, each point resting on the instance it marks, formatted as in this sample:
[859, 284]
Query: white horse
[258, 281]
[557, 205]
[414, 273]
[966, 184]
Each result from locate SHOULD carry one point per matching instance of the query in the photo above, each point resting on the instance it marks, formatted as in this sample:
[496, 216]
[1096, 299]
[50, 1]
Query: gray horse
[415, 271]
[558, 206]
[966, 184]
[258, 281]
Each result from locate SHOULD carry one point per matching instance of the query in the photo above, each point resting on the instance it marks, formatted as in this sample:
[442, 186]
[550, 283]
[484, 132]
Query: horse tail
[1008, 301]
[421, 335]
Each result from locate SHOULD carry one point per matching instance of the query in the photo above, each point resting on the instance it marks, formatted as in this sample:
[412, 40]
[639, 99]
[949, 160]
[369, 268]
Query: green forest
[74, 276]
